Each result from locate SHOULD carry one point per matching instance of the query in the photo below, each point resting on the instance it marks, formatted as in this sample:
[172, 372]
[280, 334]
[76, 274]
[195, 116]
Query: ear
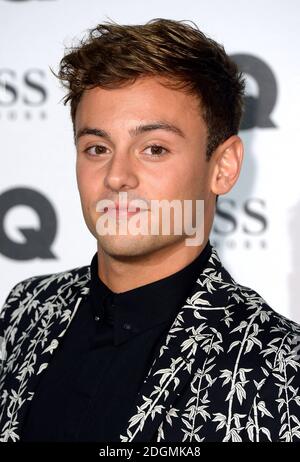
[228, 159]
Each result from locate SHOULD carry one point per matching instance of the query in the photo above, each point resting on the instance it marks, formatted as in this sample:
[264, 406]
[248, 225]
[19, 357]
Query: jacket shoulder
[275, 336]
[275, 320]
[40, 286]
[251, 302]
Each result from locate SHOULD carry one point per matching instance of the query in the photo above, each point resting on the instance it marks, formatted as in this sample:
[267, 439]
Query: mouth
[121, 211]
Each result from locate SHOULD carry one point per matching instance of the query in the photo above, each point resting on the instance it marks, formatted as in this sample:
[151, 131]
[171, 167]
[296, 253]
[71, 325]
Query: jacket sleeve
[275, 413]
[11, 302]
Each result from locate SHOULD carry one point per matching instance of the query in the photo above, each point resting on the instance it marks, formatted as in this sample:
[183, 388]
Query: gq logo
[258, 108]
[37, 241]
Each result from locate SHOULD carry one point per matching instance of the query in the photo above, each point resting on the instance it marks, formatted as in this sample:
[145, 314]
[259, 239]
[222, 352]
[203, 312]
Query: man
[154, 340]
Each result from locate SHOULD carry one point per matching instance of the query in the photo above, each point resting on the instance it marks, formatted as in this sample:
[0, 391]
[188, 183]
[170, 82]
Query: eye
[98, 150]
[156, 150]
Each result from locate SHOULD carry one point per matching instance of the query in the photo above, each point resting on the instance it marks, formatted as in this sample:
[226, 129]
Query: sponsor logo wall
[257, 224]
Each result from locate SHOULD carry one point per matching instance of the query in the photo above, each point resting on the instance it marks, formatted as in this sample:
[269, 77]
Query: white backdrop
[257, 225]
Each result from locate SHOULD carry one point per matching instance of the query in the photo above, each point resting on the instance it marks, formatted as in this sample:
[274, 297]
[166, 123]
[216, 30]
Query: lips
[122, 211]
[126, 209]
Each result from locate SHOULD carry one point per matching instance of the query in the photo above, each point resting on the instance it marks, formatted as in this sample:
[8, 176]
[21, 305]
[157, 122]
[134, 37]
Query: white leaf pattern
[226, 371]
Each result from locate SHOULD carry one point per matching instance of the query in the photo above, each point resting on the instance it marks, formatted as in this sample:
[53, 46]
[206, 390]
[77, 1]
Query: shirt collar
[136, 310]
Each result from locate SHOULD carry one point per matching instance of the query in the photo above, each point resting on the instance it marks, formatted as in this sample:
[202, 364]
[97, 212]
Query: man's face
[126, 162]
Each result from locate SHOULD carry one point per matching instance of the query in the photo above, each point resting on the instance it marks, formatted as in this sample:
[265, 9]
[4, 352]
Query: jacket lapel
[188, 344]
[36, 327]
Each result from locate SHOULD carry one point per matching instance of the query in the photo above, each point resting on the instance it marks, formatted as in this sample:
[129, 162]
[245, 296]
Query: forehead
[145, 99]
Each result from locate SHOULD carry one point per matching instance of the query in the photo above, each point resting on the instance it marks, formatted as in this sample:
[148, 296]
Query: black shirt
[88, 391]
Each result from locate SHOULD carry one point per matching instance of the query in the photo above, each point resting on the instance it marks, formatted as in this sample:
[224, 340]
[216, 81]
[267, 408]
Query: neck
[125, 273]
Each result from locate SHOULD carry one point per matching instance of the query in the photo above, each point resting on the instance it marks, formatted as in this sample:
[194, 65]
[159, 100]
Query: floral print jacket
[228, 369]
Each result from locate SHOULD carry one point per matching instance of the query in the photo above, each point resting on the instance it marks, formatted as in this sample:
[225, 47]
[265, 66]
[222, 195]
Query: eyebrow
[159, 125]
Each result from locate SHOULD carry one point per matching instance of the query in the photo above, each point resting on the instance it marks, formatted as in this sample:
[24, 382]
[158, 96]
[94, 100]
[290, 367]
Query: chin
[134, 246]
[124, 246]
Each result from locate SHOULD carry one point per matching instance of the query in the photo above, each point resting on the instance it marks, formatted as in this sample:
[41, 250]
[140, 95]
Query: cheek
[79, 172]
[186, 181]
[81, 179]
[172, 182]
[193, 186]
[85, 184]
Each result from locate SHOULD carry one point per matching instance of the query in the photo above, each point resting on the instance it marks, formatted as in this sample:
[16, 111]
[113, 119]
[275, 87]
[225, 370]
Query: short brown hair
[114, 55]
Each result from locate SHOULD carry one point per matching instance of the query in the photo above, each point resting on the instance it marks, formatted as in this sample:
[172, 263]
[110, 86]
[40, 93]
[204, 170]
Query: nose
[120, 173]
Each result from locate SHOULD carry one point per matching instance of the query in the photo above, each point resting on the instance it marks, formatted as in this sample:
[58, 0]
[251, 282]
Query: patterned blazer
[228, 369]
